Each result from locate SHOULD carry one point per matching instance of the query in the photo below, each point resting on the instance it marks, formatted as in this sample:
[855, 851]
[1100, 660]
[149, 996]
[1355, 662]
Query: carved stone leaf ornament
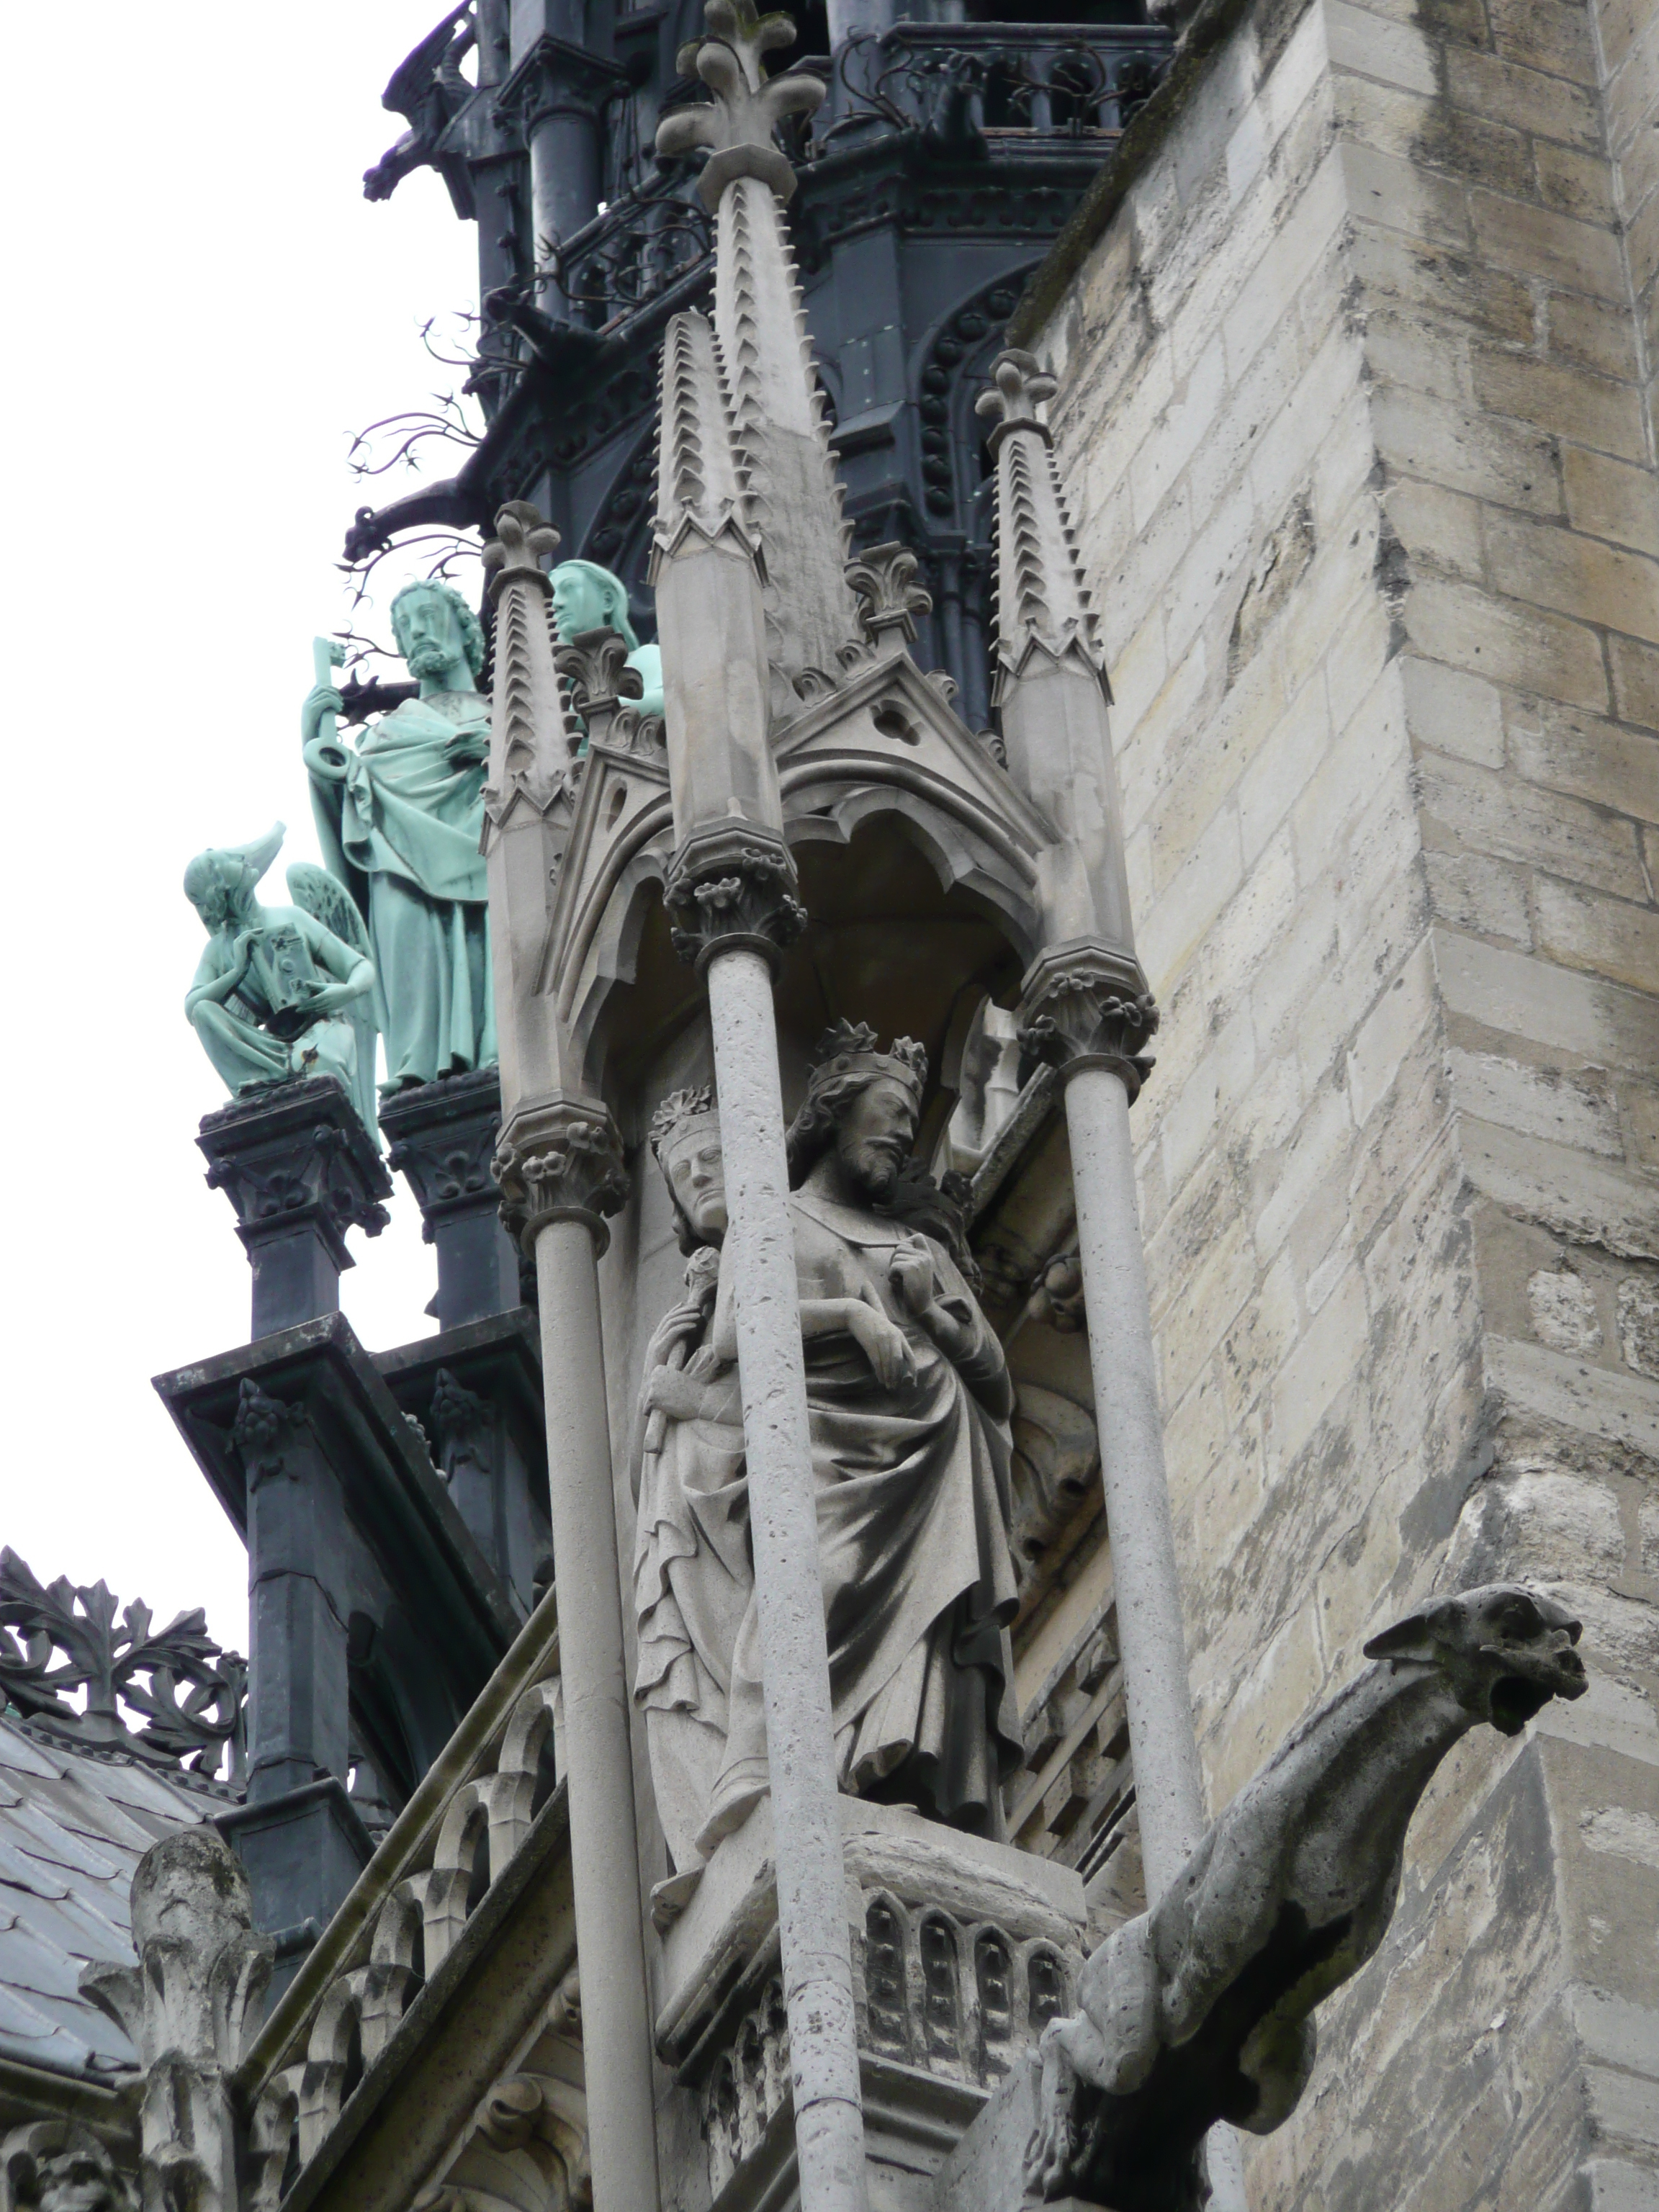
[889, 599]
[60, 1642]
[751, 901]
[573, 1171]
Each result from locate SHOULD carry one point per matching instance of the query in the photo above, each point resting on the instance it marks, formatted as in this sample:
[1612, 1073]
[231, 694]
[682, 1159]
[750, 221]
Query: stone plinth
[962, 1952]
[300, 1169]
[442, 1136]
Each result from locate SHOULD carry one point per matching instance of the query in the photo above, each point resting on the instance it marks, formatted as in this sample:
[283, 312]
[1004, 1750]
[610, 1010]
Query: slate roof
[73, 1826]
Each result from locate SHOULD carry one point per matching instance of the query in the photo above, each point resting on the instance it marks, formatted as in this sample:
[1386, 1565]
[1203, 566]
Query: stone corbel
[731, 888]
[561, 1162]
[266, 1432]
[1087, 1007]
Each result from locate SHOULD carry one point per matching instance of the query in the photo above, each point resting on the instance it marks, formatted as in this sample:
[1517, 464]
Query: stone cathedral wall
[1355, 418]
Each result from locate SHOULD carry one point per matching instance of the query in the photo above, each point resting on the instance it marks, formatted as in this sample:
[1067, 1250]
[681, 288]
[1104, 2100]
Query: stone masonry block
[1291, 257]
[1575, 184]
[1567, 403]
[1606, 499]
[1594, 334]
[1450, 711]
[1439, 529]
[1635, 681]
[1575, 575]
[1587, 758]
[1524, 647]
[1546, 35]
[1372, 46]
[1486, 812]
[1405, 198]
[1608, 936]
[1426, 133]
[1467, 451]
[1385, 1035]
[1565, 1105]
[1503, 991]
[1449, 285]
[1583, 1201]
[1525, 99]
[1472, 892]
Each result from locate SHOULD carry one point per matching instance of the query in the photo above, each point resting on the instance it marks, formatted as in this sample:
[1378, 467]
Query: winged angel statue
[282, 992]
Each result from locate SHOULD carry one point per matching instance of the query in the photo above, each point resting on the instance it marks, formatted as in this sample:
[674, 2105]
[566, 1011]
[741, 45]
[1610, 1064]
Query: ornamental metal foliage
[71, 1658]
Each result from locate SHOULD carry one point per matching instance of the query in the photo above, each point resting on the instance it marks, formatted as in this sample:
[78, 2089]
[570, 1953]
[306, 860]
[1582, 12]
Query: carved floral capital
[737, 888]
[561, 1163]
[1089, 1009]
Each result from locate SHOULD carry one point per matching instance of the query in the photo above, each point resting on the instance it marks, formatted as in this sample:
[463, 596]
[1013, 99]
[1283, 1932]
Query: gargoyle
[1201, 2009]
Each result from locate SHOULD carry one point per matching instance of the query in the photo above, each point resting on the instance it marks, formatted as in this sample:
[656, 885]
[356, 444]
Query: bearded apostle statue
[908, 1399]
[399, 818]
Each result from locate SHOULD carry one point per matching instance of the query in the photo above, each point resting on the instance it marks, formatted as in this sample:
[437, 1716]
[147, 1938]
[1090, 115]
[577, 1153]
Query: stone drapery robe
[913, 1536]
[402, 833]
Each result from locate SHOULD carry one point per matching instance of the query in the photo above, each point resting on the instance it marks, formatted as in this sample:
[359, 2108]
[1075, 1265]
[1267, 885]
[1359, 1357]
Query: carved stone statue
[1201, 2009]
[586, 597]
[191, 2005]
[284, 992]
[908, 1399]
[399, 818]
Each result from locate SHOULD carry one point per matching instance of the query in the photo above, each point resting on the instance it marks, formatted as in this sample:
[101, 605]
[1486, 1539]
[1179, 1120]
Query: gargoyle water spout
[1201, 2009]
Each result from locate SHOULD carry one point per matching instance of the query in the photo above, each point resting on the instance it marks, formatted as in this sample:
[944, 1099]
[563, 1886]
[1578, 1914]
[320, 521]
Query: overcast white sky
[203, 308]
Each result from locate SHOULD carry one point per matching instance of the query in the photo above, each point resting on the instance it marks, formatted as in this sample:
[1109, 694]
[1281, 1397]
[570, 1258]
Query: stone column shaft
[559, 1169]
[1168, 1786]
[615, 2009]
[818, 1967]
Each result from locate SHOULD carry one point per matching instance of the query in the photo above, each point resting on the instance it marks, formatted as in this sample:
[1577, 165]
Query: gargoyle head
[1505, 1650]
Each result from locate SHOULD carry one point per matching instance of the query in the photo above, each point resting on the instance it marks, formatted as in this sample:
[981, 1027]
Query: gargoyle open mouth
[1516, 1698]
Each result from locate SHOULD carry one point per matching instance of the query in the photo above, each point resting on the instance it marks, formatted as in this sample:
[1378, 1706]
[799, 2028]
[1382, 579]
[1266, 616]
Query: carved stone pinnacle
[523, 539]
[736, 887]
[738, 122]
[1019, 384]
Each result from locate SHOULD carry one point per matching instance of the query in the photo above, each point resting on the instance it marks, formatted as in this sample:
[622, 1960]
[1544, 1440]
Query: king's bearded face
[875, 1131]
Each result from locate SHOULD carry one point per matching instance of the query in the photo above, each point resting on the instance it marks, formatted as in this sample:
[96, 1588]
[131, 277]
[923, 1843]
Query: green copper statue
[281, 992]
[400, 818]
[587, 596]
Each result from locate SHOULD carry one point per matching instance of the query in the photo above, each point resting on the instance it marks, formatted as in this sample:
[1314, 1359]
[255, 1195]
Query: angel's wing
[326, 899]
